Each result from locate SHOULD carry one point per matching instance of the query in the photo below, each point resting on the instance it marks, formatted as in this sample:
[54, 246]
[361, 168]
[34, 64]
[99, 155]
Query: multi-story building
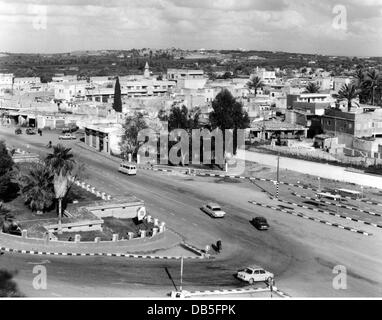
[268, 77]
[360, 122]
[182, 74]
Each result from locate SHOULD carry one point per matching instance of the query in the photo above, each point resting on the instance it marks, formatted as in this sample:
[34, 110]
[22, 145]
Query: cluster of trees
[42, 185]
[367, 86]
[227, 113]
[48, 180]
[6, 171]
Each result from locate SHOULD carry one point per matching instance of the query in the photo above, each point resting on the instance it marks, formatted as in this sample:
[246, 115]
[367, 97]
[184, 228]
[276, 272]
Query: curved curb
[122, 255]
[188, 294]
[300, 215]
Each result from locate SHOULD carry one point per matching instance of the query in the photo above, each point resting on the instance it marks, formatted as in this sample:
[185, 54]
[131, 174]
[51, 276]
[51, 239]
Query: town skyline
[346, 29]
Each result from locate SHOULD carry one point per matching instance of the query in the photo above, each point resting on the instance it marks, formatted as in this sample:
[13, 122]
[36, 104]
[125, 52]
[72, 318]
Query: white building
[27, 84]
[268, 77]
[179, 74]
[104, 137]
[6, 82]
[63, 78]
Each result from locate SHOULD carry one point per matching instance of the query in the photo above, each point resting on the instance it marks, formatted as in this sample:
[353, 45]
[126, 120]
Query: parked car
[67, 136]
[214, 210]
[260, 223]
[254, 274]
[30, 131]
[70, 129]
[18, 131]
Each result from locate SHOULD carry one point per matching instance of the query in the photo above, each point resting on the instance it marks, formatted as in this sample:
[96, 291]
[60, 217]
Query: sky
[343, 27]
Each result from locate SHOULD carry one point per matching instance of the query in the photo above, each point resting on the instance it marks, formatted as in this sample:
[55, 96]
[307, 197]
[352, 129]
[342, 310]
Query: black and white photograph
[190, 150]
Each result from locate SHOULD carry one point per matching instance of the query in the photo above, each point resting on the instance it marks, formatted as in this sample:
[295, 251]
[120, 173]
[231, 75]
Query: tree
[372, 83]
[348, 93]
[255, 83]
[61, 163]
[182, 118]
[359, 80]
[312, 88]
[132, 126]
[6, 169]
[61, 160]
[228, 114]
[8, 287]
[117, 105]
[36, 187]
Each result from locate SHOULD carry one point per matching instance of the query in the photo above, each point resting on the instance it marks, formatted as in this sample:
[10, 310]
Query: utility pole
[181, 274]
[319, 184]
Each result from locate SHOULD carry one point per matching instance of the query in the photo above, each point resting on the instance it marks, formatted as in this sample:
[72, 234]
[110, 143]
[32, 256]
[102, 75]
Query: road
[301, 253]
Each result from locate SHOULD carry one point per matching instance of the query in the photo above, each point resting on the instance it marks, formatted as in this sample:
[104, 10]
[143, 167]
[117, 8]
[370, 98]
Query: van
[128, 168]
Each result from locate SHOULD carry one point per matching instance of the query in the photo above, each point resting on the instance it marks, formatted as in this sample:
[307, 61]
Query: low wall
[120, 211]
[25, 243]
[94, 225]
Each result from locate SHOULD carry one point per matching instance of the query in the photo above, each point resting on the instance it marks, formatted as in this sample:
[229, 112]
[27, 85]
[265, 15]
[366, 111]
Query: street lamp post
[181, 275]
[278, 175]
[319, 184]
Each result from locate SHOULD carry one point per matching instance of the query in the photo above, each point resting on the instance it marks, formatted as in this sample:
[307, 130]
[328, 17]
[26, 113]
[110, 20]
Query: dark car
[18, 131]
[30, 131]
[260, 223]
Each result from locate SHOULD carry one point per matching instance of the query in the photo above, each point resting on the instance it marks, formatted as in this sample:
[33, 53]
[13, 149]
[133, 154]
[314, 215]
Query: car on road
[254, 274]
[70, 129]
[30, 131]
[260, 223]
[18, 131]
[128, 168]
[214, 210]
[67, 136]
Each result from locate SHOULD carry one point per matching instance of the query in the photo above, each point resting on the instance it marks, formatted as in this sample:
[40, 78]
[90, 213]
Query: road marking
[300, 215]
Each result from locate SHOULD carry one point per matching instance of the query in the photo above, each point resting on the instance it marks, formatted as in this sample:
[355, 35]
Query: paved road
[301, 253]
[313, 168]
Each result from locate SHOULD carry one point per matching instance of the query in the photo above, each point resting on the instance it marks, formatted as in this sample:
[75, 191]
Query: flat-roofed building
[179, 74]
[104, 137]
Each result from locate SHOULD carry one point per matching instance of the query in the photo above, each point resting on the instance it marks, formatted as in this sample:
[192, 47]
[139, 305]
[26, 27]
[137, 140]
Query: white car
[67, 136]
[214, 210]
[254, 274]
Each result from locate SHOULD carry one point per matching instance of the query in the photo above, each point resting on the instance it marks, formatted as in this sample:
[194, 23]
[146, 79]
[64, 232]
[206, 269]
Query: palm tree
[372, 81]
[359, 80]
[61, 160]
[255, 83]
[312, 88]
[62, 164]
[36, 187]
[348, 93]
[359, 77]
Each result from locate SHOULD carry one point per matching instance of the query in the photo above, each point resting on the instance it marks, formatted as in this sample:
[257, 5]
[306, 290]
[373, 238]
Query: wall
[122, 211]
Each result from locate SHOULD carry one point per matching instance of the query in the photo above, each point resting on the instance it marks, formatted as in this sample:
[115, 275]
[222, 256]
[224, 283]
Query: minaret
[146, 74]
